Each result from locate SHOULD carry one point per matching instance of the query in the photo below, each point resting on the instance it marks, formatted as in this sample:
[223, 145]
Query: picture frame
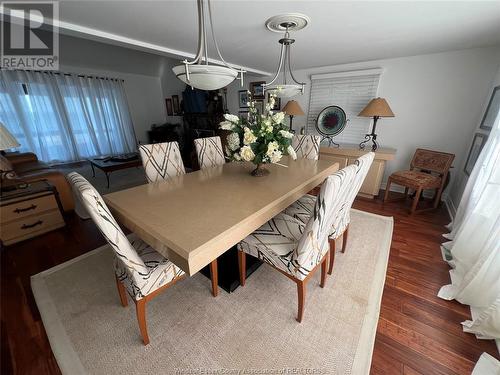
[168, 105]
[259, 106]
[474, 151]
[175, 105]
[257, 90]
[491, 110]
[277, 103]
[243, 98]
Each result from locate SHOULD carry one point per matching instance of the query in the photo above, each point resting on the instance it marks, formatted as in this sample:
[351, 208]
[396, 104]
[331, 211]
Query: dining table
[193, 218]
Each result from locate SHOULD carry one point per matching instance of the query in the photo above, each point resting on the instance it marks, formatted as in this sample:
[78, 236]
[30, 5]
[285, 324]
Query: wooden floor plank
[418, 333]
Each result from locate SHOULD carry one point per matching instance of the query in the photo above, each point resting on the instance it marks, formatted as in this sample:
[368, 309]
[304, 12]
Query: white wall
[140, 72]
[461, 180]
[438, 99]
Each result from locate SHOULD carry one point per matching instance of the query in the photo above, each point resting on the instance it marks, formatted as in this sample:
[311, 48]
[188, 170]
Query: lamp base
[331, 142]
[369, 137]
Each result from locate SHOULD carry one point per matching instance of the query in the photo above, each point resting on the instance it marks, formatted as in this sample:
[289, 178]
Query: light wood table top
[194, 218]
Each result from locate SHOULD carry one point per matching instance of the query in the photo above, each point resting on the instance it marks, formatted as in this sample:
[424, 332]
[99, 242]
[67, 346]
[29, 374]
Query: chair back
[363, 164]
[209, 152]
[306, 146]
[161, 161]
[329, 206]
[433, 161]
[105, 222]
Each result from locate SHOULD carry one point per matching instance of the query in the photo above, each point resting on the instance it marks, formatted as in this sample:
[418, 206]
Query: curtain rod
[67, 74]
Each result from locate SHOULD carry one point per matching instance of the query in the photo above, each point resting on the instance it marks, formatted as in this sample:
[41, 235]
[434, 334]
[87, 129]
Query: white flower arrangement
[259, 138]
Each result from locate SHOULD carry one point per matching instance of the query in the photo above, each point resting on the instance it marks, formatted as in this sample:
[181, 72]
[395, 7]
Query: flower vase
[260, 171]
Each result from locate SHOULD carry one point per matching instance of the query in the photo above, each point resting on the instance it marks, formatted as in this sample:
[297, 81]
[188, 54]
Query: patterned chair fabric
[306, 146]
[303, 208]
[209, 152]
[416, 179]
[296, 247]
[161, 161]
[139, 267]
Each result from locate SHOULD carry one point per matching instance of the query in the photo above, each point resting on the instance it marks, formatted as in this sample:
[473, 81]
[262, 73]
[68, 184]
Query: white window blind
[351, 91]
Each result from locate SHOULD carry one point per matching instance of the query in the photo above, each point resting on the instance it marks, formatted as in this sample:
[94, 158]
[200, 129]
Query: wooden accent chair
[303, 208]
[306, 146]
[296, 249]
[428, 170]
[161, 161]
[209, 152]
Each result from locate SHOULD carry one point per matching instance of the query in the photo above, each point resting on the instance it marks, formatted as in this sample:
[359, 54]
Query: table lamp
[377, 108]
[7, 141]
[292, 108]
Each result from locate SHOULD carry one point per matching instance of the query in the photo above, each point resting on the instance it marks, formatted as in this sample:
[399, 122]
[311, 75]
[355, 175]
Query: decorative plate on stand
[331, 122]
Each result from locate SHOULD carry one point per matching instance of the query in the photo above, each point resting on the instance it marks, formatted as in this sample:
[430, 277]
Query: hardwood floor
[417, 333]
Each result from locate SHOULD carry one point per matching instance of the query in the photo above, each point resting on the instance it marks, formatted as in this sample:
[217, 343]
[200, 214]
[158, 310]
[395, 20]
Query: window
[349, 90]
[64, 117]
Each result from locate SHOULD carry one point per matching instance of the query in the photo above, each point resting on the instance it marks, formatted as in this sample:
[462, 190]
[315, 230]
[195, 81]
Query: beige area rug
[250, 331]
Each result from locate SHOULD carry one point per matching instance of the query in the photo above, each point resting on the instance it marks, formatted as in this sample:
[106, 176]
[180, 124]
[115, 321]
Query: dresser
[28, 212]
[347, 154]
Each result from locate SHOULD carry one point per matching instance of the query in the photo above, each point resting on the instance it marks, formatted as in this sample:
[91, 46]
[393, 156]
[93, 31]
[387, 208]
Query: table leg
[213, 276]
[107, 177]
[93, 170]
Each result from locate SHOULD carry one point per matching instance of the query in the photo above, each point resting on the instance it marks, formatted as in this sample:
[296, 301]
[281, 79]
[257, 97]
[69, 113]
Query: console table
[347, 154]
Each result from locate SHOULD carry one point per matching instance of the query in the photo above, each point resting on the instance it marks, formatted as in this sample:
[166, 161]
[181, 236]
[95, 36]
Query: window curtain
[62, 117]
[473, 251]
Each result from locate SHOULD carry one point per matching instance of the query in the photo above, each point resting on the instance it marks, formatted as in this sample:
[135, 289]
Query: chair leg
[332, 255]
[406, 192]
[415, 200]
[387, 188]
[140, 306]
[344, 238]
[214, 278]
[437, 199]
[323, 270]
[301, 292]
[242, 260]
[121, 292]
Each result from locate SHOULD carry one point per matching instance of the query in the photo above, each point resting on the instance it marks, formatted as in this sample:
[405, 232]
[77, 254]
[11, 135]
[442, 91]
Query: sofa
[28, 168]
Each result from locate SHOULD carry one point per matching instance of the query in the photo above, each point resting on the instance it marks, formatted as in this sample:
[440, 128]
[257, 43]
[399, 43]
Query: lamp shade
[7, 140]
[206, 77]
[292, 108]
[377, 107]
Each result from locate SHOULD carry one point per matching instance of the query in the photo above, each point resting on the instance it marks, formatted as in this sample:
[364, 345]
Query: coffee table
[108, 166]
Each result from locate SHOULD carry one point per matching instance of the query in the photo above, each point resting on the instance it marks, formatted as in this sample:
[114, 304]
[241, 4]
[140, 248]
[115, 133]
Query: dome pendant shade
[285, 91]
[198, 73]
[206, 77]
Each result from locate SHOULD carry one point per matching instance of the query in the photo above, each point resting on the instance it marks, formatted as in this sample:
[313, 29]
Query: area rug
[252, 330]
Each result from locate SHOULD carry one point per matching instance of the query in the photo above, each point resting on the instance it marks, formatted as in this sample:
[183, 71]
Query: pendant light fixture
[198, 73]
[290, 86]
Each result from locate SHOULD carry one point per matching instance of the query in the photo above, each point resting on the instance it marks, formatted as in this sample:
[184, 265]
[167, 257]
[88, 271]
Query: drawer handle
[19, 210]
[28, 226]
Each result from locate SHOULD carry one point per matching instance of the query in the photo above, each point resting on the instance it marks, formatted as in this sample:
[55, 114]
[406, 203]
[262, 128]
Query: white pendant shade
[206, 77]
[285, 91]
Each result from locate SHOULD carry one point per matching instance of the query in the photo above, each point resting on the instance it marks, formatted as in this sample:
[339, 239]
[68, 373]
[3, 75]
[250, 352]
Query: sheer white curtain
[66, 117]
[474, 249]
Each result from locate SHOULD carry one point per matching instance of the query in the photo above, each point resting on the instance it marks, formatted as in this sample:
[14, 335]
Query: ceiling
[340, 32]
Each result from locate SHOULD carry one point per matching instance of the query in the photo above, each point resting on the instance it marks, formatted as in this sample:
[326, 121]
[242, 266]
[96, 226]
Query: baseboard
[450, 206]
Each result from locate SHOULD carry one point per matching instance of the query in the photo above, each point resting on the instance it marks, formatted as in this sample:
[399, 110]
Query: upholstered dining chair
[428, 170]
[161, 161]
[209, 152]
[140, 271]
[297, 249]
[306, 146]
[303, 208]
